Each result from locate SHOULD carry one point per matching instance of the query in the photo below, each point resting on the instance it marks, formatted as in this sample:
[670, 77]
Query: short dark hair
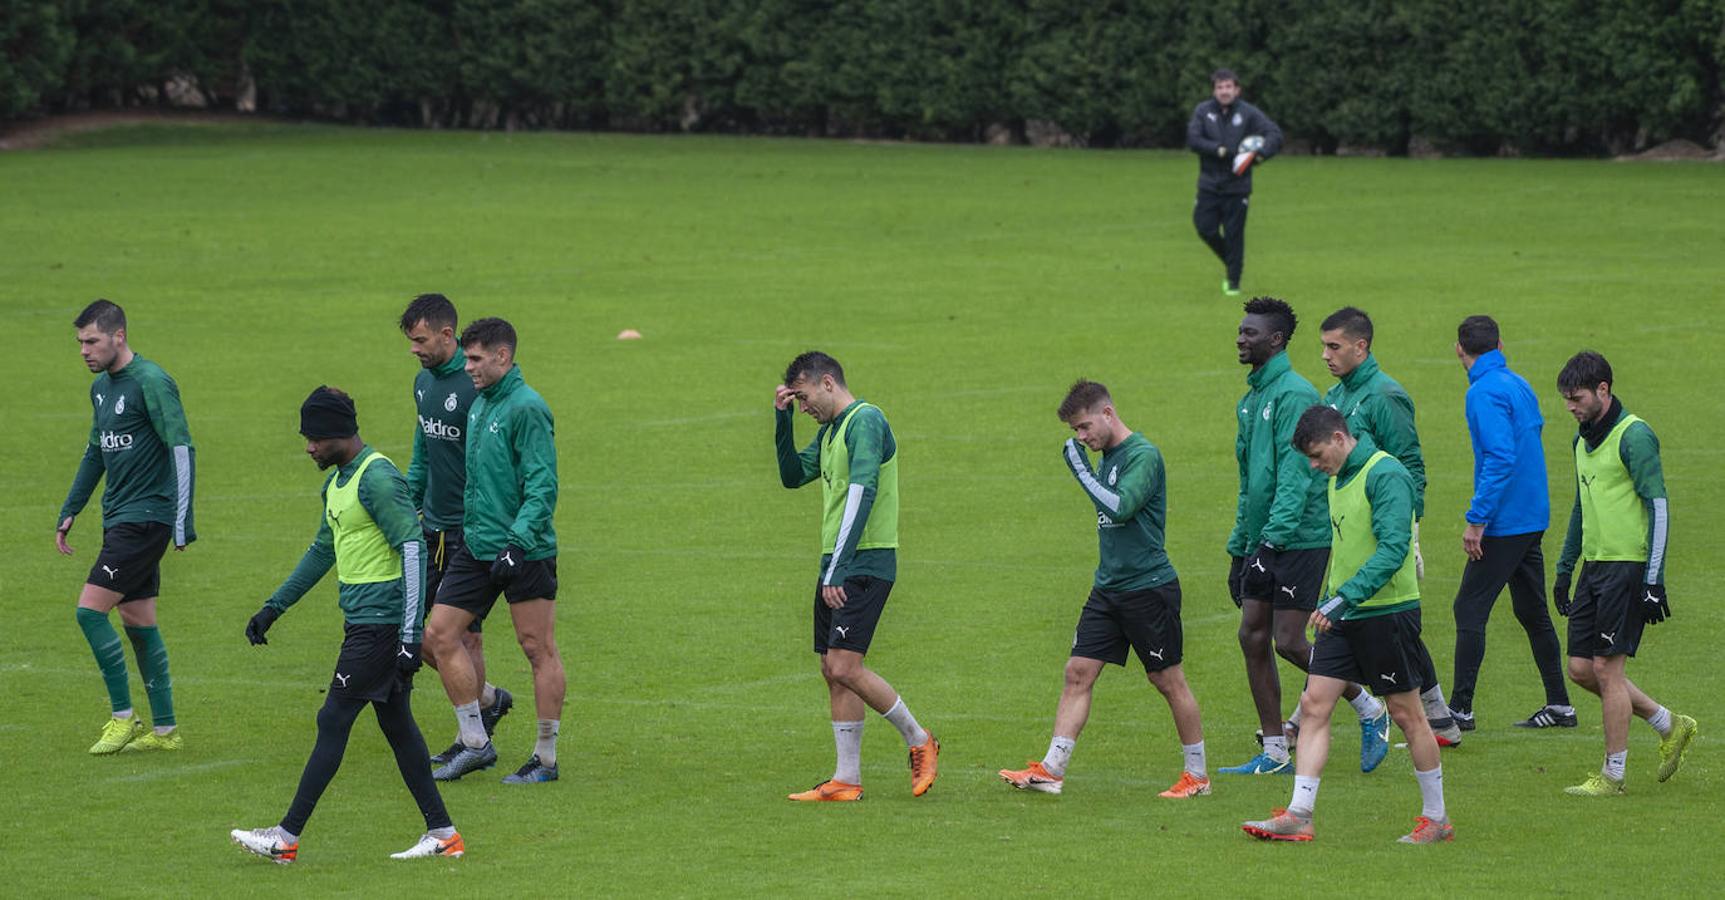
[106, 315]
[1316, 424]
[812, 365]
[1353, 322]
[1223, 74]
[1585, 370]
[1477, 335]
[1083, 396]
[434, 310]
[489, 332]
[1275, 309]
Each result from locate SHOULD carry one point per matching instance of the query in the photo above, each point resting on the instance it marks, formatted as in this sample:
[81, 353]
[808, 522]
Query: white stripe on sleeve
[411, 567]
[1656, 550]
[183, 492]
[1087, 479]
[853, 502]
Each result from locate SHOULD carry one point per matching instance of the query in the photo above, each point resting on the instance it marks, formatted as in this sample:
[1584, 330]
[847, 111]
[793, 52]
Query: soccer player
[139, 441]
[1135, 599]
[856, 459]
[1618, 529]
[1281, 540]
[1376, 407]
[1218, 128]
[1505, 524]
[1369, 627]
[438, 475]
[368, 532]
[509, 546]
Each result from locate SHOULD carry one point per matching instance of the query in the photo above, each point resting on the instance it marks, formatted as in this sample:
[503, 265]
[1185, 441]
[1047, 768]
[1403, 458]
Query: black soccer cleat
[534, 771]
[1463, 720]
[469, 759]
[1547, 717]
[442, 759]
[494, 713]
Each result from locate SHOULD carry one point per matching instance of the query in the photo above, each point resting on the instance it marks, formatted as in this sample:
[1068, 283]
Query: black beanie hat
[327, 413]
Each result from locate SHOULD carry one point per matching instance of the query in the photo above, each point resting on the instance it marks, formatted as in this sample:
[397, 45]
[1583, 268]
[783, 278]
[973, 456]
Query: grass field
[963, 288]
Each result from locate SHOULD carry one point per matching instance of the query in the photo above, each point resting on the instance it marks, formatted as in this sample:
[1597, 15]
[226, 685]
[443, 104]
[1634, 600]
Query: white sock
[1276, 748]
[1431, 794]
[287, 836]
[1661, 722]
[472, 729]
[488, 695]
[124, 713]
[1296, 715]
[546, 747]
[1367, 706]
[165, 729]
[1195, 759]
[901, 719]
[443, 834]
[1059, 755]
[1305, 796]
[1432, 699]
[1614, 764]
[847, 737]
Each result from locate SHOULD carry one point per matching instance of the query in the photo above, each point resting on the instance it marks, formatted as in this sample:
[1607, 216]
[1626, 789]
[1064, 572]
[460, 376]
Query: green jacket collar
[506, 385]
[1273, 368]
[1362, 374]
[452, 365]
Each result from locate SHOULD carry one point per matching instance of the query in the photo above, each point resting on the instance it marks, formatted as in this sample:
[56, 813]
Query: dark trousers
[1221, 222]
[334, 723]
[1514, 560]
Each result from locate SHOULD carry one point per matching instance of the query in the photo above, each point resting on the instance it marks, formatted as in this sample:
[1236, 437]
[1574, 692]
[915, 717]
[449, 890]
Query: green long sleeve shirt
[869, 441]
[1390, 491]
[437, 477]
[1639, 451]
[1128, 488]
[1375, 404]
[140, 442]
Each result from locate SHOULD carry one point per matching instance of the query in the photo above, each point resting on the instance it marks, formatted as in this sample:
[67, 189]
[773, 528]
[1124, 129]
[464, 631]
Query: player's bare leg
[1048, 775]
[1432, 826]
[536, 632]
[846, 669]
[443, 632]
[1194, 778]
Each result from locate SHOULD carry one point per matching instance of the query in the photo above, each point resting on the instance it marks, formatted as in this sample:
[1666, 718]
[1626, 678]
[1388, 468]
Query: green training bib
[1613, 518]
[1352, 542]
[362, 554]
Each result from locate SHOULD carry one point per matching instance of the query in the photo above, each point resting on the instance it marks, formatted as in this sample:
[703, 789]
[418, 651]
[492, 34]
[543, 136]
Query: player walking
[1368, 629]
[139, 441]
[1618, 530]
[856, 458]
[1135, 599]
[443, 392]
[1280, 542]
[370, 535]
[510, 546]
[1222, 133]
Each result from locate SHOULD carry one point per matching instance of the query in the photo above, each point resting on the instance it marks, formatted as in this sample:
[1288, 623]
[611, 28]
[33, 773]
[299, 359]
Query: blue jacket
[1509, 488]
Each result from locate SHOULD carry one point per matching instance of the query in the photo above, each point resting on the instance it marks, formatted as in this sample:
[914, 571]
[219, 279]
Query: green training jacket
[1282, 498]
[511, 492]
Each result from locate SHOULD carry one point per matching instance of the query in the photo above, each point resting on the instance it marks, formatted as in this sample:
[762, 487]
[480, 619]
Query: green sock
[105, 644]
[152, 656]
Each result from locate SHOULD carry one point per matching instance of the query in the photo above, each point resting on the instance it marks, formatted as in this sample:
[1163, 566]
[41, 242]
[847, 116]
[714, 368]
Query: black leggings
[1516, 561]
[1221, 223]
[334, 723]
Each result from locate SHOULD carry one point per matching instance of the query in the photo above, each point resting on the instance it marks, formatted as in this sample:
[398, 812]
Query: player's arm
[795, 468]
[1494, 442]
[90, 469]
[1393, 426]
[1391, 495]
[1572, 536]
[869, 445]
[318, 559]
[168, 418]
[1294, 474]
[1197, 141]
[384, 494]
[1122, 500]
[533, 438]
[1271, 132]
[417, 468]
[1639, 450]
[1237, 537]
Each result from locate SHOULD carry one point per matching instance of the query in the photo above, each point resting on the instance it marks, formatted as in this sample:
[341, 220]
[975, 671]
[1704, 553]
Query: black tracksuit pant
[1221, 222]
[1514, 560]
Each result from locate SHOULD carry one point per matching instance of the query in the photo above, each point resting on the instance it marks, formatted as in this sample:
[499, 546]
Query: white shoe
[451, 847]
[268, 843]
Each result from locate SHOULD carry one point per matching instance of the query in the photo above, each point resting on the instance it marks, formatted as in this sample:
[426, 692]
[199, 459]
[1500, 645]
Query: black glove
[407, 659]
[1256, 581]
[1560, 594]
[1235, 589]
[260, 624]
[507, 565]
[1655, 608]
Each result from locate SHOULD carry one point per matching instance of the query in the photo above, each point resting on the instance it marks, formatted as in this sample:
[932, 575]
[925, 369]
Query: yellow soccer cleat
[150, 740]
[1674, 745]
[117, 734]
[1596, 785]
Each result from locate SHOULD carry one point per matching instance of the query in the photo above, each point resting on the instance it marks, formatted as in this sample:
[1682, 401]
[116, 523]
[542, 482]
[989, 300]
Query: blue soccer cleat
[1261, 764]
[533, 771]
[1374, 741]
[468, 759]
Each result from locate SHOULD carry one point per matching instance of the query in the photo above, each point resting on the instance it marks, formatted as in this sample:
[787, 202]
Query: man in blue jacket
[1219, 133]
[1505, 522]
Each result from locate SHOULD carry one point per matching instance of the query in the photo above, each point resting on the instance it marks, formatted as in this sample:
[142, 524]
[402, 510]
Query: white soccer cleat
[429, 846]
[268, 843]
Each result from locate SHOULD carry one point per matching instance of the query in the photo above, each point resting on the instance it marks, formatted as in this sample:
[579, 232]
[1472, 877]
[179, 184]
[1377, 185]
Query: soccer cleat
[267, 843]
[1428, 832]
[1280, 826]
[117, 734]
[1229, 289]
[1546, 717]
[1596, 785]
[924, 766]
[1463, 720]
[468, 759]
[1261, 764]
[829, 792]
[1449, 735]
[442, 759]
[1674, 745]
[1033, 778]
[451, 847]
[150, 740]
[1189, 785]
[533, 772]
[1374, 740]
[491, 715]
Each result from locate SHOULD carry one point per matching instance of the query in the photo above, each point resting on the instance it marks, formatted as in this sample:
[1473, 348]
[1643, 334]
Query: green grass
[963, 288]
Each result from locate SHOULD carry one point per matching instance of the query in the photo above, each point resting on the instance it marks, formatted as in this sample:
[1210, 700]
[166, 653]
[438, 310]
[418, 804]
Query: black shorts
[366, 668]
[131, 559]
[851, 627]
[1379, 652]
[1148, 620]
[467, 583]
[1603, 620]
[1297, 576]
[440, 548]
